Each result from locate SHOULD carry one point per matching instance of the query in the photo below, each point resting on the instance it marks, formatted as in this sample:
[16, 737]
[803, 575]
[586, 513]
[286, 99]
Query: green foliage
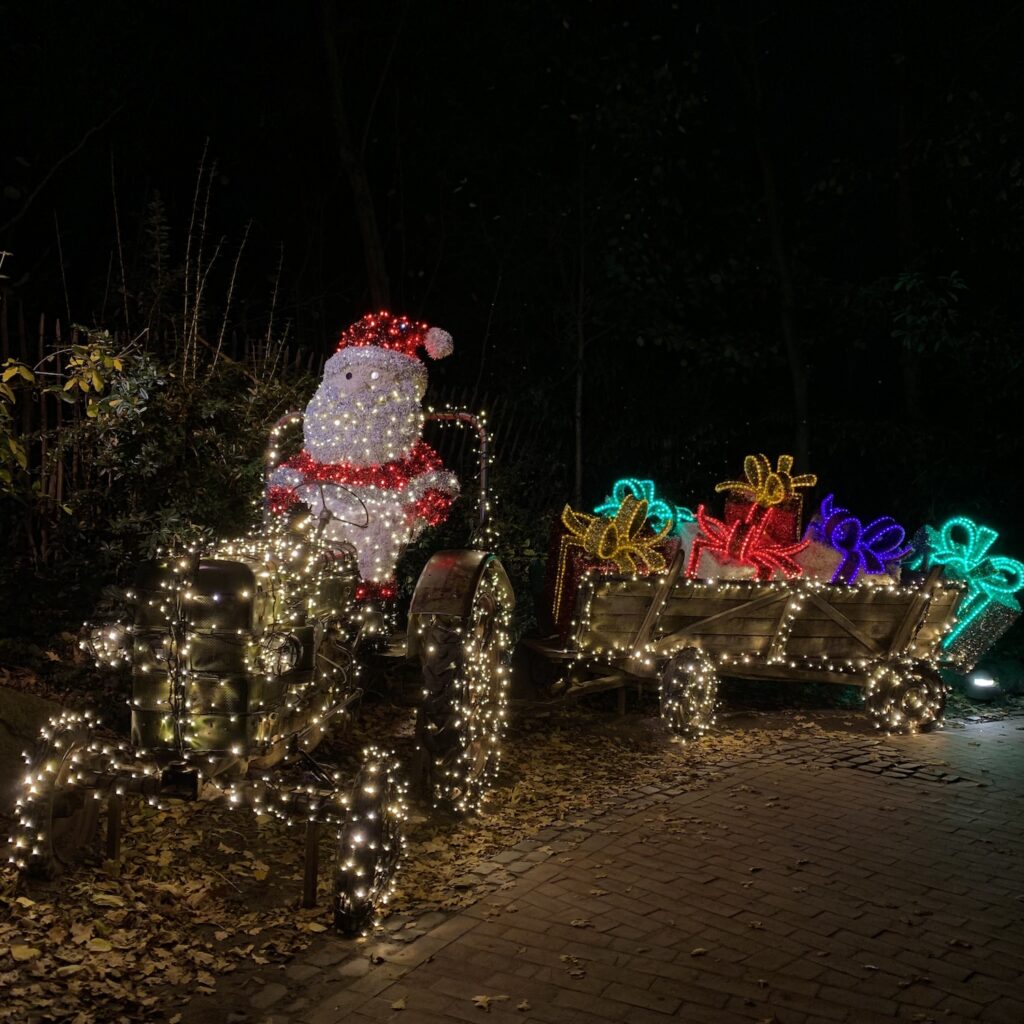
[927, 318]
[13, 458]
[164, 461]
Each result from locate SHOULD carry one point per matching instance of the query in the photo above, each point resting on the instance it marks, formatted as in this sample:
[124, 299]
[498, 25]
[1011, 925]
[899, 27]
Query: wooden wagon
[683, 634]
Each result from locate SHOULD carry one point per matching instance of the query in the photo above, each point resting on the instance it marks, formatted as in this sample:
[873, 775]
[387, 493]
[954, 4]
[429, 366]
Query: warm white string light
[903, 691]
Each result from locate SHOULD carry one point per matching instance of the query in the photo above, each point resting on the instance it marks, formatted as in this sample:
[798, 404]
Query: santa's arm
[430, 496]
[282, 489]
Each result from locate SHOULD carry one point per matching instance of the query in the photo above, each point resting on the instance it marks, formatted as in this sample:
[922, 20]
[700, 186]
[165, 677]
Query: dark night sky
[508, 140]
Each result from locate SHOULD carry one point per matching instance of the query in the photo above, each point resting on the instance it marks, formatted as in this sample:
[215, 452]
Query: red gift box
[785, 525]
[576, 564]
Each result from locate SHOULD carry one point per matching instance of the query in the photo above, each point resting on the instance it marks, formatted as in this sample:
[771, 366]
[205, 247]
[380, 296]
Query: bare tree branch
[59, 164]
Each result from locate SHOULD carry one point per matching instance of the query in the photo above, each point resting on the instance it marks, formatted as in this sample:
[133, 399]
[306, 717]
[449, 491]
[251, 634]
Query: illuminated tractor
[242, 657]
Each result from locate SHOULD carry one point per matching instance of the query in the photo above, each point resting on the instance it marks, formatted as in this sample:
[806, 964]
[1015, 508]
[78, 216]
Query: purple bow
[867, 548]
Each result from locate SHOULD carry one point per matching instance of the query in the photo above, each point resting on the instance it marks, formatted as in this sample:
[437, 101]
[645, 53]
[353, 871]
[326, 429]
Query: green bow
[659, 511]
[989, 578]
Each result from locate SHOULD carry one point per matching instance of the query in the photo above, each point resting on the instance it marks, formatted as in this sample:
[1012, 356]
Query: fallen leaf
[524, 1005]
[23, 953]
[98, 945]
[398, 1004]
[581, 922]
[698, 951]
[66, 970]
[484, 1002]
[107, 899]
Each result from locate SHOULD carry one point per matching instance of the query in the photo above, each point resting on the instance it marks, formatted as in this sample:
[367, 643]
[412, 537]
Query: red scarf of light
[389, 476]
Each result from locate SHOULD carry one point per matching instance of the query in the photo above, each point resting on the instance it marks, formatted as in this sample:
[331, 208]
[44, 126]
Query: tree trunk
[577, 488]
[749, 74]
[787, 305]
[909, 358]
[354, 165]
[581, 347]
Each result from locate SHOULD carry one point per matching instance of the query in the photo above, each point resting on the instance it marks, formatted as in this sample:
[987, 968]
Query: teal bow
[659, 512]
[988, 578]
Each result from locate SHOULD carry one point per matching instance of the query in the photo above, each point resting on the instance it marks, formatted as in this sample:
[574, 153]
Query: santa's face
[367, 409]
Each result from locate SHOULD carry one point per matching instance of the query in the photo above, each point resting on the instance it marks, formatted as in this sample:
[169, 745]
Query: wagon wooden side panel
[685, 633]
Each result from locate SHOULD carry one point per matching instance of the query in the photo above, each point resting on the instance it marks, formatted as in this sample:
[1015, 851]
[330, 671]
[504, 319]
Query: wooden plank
[641, 587]
[619, 626]
[816, 624]
[915, 613]
[880, 630]
[552, 648]
[724, 644]
[706, 607]
[668, 581]
[875, 618]
[867, 594]
[785, 674]
[622, 604]
[628, 623]
[940, 613]
[776, 643]
[749, 589]
[838, 648]
[841, 620]
[609, 682]
[763, 626]
[665, 643]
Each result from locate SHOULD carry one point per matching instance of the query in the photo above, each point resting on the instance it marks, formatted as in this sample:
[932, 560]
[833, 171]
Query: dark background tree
[662, 237]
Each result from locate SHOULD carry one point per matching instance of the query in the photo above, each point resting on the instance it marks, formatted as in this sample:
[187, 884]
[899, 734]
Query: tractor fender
[447, 586]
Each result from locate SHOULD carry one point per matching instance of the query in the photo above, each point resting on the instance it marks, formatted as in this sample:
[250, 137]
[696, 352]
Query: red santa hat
[392, 341]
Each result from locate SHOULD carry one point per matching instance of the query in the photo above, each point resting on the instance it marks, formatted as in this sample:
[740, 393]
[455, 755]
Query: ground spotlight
[982, 687]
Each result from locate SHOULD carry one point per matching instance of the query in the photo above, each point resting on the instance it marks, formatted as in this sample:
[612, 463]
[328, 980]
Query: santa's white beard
[362, 430]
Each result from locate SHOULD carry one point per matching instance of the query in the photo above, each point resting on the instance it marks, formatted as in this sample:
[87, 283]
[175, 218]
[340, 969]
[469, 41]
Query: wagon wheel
[905, 696]
[57, 811]
[461, 722]
[369, 843]
[689, 685]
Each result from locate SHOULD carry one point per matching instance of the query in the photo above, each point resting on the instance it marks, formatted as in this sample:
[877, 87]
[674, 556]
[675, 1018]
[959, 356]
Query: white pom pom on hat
[438, 343]
[396, 334]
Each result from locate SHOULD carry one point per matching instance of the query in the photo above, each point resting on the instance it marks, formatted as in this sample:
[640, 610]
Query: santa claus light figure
[364, 459]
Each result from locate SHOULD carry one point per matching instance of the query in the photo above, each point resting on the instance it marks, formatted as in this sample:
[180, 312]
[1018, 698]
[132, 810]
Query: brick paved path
[825, 881]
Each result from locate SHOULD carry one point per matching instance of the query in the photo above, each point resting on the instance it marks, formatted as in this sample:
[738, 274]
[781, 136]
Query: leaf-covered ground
[202, 890]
